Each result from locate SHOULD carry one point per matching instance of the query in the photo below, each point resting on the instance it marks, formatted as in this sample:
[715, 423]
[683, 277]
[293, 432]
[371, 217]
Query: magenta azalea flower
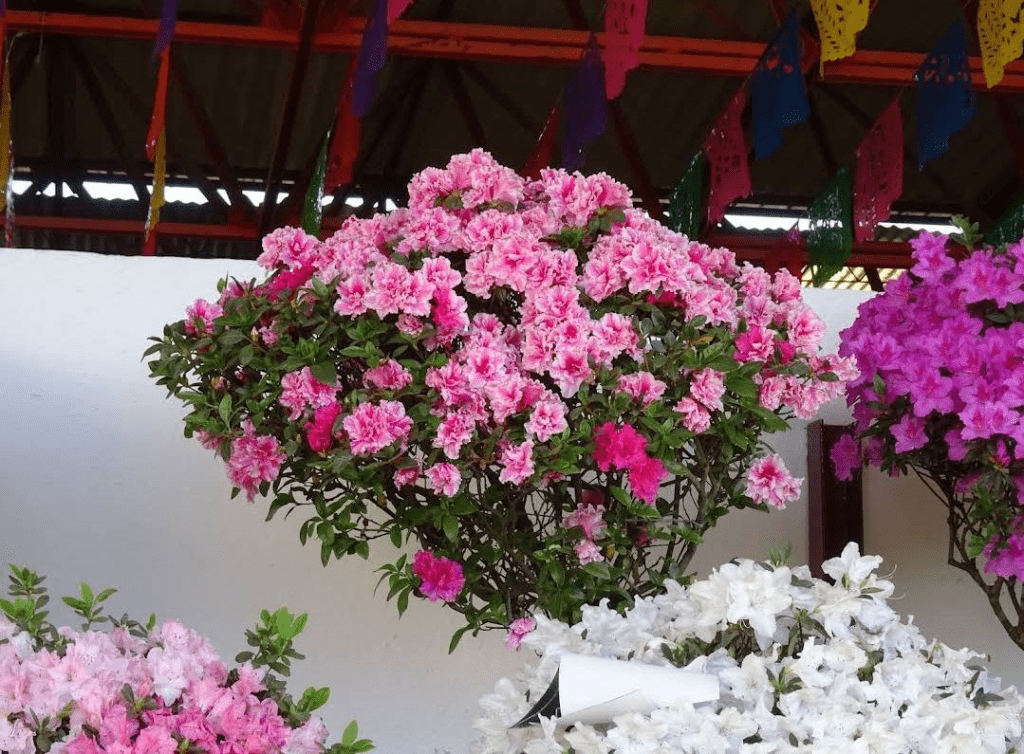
[440, 578]
[845, 455]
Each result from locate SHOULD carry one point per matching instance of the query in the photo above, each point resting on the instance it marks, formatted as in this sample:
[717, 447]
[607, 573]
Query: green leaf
[456, 638]
[348, 737]
[325, 372]
[396, 536]
[224, 409]
[450, 525]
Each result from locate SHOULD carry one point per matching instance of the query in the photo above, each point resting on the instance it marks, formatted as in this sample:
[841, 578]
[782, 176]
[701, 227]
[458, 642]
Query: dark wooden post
[835, 513]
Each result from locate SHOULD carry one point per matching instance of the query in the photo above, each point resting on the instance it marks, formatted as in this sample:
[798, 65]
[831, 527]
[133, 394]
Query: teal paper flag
[684, 204]
[1010, 227]
[313, 209]
[830, 237]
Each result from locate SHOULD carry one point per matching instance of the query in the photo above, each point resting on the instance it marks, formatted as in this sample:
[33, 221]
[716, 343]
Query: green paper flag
[830, 237]
[1010, 227]
[313, 209]
[684, 205]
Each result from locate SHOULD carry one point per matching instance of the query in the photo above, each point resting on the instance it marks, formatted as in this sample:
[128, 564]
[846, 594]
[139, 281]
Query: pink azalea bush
[154, 689]
[941, 392]
[529, 379]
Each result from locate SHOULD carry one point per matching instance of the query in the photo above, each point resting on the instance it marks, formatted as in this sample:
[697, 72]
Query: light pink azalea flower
[588, 552]
[518, 630]
[769, 481]
[444, 479]
[589, 518]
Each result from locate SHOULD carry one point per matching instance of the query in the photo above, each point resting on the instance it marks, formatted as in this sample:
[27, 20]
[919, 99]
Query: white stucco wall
[98, 484]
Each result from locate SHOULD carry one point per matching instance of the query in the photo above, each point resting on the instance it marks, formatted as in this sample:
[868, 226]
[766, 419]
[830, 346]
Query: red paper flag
[878, 179]
[157, 119]
[348, 127]
[726, 148]
[396, 8]
[542, 154]
[787, 252]
[624, 22]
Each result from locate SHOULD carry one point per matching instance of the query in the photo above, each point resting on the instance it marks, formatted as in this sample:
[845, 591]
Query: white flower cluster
[803, 665]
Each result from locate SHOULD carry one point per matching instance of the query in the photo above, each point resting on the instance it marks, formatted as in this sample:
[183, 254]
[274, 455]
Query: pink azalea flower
[373, 427]
[301, 389]
[516, 462]
[440, 578]
[641, 386]
[588, 518]
[388, 375]
[444, 479]
[254, 459]
[288, 247]
[547, 420]
[755, 344]
[696, 418]
[520, 628]
[588, 552]
[708, 387]
[199, 317]
[406, 475]
[769, 481]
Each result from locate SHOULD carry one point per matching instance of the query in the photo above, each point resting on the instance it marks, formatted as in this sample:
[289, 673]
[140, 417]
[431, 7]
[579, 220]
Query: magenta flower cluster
[534, 344]
[941, 385]
[113, 693]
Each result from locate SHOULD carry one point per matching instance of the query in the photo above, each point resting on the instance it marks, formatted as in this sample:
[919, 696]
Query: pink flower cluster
[942, 366]
[440, 578]
[189, 700]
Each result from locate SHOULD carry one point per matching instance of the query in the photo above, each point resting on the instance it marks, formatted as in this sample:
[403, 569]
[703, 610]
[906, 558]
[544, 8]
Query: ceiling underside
[460, 74]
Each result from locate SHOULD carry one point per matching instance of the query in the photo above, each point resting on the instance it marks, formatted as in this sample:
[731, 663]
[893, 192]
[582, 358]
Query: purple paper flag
[585, 107]
[373, 52]
[945, 99]
[777, 88]
[165, 33]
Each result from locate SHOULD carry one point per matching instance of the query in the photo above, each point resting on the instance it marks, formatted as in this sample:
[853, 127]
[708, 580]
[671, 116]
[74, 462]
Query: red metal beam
[747, 247]
[509, 44]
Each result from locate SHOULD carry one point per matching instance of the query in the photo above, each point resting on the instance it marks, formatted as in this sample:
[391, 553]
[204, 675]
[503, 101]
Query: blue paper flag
[165, 32]
[946, 101]
[777, 89]
[585, 106]
[373, 52]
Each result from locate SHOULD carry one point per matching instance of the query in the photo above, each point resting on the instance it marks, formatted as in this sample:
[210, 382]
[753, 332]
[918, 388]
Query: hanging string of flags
[848, 207]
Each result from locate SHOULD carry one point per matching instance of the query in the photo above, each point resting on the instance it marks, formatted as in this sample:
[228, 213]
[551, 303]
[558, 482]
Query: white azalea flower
[853, 680]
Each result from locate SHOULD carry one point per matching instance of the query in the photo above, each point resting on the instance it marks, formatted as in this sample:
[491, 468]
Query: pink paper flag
[624, 22]
[728, 169]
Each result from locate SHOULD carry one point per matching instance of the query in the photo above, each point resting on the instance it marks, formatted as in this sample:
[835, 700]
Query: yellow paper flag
[156, 201]
[838, 24]
[1001, 35]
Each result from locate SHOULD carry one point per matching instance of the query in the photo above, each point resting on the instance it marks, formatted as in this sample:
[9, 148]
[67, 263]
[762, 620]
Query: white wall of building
[98, 484]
